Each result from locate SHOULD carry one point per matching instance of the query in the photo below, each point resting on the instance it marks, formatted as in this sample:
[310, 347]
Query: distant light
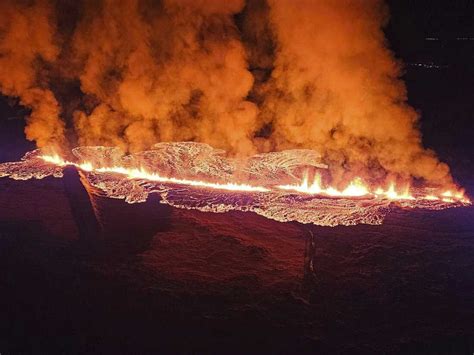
[427, 65]
[457, 39]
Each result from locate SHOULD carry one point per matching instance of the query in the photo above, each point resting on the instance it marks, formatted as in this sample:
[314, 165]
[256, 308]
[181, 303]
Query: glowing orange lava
[355, 188]
[135, 173]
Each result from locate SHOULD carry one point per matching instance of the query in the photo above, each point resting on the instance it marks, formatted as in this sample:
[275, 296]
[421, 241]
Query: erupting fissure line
[134, 173]
[356, 188]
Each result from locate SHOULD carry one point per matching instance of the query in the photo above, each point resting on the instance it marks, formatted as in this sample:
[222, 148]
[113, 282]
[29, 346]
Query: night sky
[435, 40]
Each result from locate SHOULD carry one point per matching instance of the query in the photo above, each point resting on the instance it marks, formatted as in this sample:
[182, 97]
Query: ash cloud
[247, 77]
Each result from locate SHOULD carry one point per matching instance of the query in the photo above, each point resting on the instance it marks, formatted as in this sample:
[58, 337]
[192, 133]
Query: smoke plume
[246, 77]
[335, 88]
[26, 49]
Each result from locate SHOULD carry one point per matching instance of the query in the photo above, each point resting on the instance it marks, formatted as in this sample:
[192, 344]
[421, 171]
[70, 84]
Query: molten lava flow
[196, 176]
[134, 173]
[357, 188]
[392, 194]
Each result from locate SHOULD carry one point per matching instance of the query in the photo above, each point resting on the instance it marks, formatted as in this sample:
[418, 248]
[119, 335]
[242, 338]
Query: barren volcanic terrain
[81, 272]
[151, 277]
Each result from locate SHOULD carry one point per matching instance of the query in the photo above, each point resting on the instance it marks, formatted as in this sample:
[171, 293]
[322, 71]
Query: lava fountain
[196, 176]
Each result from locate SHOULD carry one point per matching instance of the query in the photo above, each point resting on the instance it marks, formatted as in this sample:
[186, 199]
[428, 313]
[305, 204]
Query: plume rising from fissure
[247, 77]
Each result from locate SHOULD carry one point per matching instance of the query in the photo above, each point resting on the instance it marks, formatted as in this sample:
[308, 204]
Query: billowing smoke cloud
[176, 71]
[246, 77]
[26, 48]
[335, 88]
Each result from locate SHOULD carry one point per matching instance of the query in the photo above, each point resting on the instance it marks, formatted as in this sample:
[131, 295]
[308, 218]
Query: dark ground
[169, 280]
[158, 279]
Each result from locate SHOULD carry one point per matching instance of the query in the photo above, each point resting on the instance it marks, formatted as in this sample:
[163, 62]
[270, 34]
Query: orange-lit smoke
[245, 77]
[335, 88]
[26, 48]
[173, 72]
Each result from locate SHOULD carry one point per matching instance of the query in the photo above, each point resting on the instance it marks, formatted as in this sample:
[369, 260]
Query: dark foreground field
[149, 277]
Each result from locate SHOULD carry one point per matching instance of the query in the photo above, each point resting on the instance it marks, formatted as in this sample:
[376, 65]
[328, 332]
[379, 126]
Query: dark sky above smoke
[243, 76]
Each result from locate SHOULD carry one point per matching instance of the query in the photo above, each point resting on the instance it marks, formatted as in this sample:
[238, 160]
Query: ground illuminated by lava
[196, 176]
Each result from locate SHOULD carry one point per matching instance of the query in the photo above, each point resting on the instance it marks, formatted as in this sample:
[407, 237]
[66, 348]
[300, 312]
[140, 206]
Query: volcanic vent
[196, 176]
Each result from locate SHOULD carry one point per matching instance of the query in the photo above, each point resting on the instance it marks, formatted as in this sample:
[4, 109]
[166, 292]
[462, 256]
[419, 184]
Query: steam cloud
[246, 77]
